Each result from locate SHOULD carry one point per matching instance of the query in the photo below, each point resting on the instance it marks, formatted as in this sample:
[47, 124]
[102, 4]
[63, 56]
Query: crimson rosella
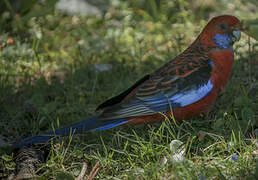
[186, 86]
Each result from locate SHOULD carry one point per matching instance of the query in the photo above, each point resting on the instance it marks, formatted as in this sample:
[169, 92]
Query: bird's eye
[223, 27]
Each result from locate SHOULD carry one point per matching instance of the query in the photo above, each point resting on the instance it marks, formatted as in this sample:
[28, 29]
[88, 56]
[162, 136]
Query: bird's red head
[220, 27]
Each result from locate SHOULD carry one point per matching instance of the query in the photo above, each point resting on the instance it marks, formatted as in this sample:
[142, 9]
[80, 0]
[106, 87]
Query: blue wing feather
[162, 103]
[163, 91]
[92, 124]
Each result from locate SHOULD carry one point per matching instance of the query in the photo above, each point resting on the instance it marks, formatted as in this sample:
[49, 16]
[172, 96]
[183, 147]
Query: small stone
[102, 67]
[81, 7]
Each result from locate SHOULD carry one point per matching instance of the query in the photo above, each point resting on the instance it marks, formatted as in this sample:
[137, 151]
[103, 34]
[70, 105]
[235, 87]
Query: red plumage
[221, 71]
[189, 84]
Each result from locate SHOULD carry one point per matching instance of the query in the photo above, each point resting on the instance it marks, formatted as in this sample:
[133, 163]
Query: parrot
[185, 87]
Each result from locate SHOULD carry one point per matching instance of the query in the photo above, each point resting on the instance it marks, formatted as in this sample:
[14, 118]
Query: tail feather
[92, 124]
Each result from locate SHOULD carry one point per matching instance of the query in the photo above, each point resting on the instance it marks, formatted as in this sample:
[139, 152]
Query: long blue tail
[92, 124]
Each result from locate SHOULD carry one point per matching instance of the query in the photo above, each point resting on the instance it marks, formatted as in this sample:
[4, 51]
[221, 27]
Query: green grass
[49, 82]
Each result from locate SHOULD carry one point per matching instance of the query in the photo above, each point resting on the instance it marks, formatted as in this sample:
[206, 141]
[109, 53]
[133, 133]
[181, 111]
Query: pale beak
[236, 35]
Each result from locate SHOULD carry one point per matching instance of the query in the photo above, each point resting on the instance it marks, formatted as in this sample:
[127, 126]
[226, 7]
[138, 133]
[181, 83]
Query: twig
[83, 171]
[94, 171]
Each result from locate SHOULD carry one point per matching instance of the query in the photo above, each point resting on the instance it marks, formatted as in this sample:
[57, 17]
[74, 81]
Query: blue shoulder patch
[192, 96]
[163, 103]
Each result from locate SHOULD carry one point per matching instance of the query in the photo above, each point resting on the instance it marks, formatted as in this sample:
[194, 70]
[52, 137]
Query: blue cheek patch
[224, 41]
